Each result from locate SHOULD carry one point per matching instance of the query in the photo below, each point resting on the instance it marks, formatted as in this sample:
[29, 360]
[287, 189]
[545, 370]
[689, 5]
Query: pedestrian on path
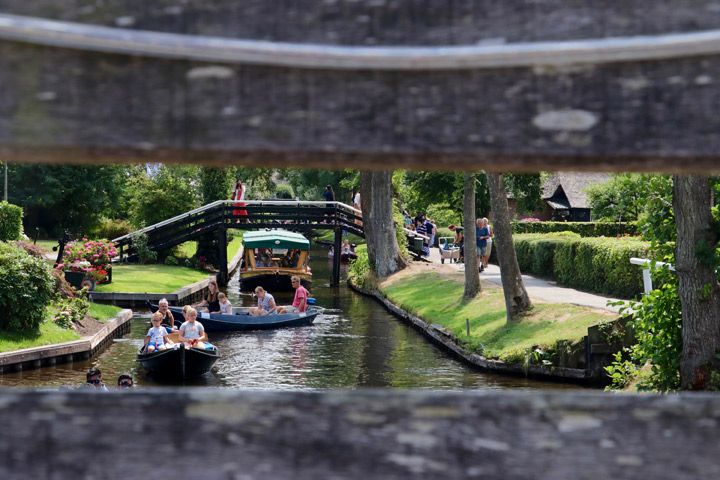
[488, 246]
[481, 235]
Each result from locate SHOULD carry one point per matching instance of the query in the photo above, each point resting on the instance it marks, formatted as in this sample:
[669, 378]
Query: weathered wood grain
[213, 434]
[59, 105]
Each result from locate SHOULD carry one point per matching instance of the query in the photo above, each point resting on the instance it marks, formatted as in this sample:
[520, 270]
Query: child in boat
[192, 331]
[225, 306]
[155, 338]
[265, 303]
[346, 248]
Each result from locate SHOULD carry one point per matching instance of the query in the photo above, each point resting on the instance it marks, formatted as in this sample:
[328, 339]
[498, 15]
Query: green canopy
[280, 239]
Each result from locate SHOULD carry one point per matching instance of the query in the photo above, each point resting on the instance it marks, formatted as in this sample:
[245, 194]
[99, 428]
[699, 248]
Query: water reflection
[356, 343]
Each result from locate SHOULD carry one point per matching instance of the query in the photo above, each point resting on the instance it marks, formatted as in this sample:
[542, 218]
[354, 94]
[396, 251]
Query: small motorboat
[179, 362]
[241, 320]
[272, 257]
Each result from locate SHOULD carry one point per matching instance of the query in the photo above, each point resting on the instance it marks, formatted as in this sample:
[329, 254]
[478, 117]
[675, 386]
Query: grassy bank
[161, 278]
[151, 278]
[50, 333]
[188, 249]
[437, 299]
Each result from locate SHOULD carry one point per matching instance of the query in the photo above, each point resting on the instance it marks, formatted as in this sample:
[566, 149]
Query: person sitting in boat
[225, 306]
[192, 331]
[155, 338]
[331, 252]
[211, 299]
[265, 303]
[346, 248]
[301, 295]
[168, 320]
[290, 260]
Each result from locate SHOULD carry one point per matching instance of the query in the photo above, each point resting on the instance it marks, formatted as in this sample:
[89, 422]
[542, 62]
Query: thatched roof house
[564, 196]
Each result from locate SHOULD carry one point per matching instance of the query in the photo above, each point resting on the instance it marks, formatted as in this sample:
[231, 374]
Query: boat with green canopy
[272, 257]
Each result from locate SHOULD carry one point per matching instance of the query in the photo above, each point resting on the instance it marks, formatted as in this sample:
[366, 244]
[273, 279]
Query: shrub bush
[26, 288]
[10, 222]
[443, 215]
[144, 252]
[71, 310]
[600, 265]
[109, 228]
[284, 191]
[584, 229]
[359, 270]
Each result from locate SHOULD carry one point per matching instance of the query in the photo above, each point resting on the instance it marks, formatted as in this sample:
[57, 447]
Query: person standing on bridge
[329, 196]
[238, 196]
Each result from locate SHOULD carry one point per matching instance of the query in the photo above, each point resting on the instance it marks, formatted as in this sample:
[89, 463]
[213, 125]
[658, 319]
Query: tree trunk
[697, 282]
[376, 199]
[517, 301]
[472, 277]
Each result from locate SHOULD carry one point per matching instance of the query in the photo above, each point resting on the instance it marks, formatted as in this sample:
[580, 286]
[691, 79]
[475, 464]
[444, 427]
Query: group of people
[191, 333]
[483, 241]
[266, 302]
[264, 258]
[423, 226]
[94, 380]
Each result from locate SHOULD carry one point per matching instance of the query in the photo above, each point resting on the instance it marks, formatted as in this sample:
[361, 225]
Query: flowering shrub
[90, 256]
[72, 310]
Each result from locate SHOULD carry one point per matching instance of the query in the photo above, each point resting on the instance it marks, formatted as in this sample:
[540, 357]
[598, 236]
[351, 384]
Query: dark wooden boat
[241, 321]
[178, 362]
[272, 257]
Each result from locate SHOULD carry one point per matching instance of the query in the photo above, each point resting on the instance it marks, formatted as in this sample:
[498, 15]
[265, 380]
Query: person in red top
[301, 294]
[238, 196]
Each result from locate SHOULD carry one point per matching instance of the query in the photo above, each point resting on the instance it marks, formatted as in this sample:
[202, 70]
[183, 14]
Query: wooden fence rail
[212, 434]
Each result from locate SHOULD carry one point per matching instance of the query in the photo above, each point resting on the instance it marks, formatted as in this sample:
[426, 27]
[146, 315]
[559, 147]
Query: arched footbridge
[217, 217]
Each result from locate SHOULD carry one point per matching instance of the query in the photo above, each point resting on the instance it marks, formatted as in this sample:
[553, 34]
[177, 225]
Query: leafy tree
[65, 197]
[622, 198]
[308, 184]
[217, 183]
[170, 191]
[259, 182]
[526, 189]
[418, 190]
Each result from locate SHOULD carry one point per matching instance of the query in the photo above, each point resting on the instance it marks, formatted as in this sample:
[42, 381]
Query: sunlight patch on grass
[102, 312]
[438, 300]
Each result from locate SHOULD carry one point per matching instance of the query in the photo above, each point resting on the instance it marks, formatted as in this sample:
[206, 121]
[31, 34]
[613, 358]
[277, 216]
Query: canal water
[355, 344]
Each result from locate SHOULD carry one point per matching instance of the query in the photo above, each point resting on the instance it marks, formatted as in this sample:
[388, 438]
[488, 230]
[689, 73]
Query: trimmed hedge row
[584, 229]
[600, 265]
[10, 222]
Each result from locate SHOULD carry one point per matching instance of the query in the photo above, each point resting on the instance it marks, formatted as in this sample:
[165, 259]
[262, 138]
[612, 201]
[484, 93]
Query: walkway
[539, 289]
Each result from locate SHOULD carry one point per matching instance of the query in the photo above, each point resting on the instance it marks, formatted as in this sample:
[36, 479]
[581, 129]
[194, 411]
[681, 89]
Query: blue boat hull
[215, 322]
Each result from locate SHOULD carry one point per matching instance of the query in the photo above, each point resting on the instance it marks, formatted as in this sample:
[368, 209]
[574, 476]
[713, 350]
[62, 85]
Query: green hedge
[584, 229]
[600, 265]
[26, 287]
[10, 222]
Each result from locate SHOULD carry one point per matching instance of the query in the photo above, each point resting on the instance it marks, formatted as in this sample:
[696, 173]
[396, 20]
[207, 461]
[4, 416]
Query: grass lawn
[103, 312]
[151, 278]
[47, 244]
[188, 249]
[50, 333]
[438, 299]
[329, 236]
